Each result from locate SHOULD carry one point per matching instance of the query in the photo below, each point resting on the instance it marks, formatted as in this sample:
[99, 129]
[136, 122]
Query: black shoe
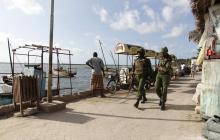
[136, 104]
[160, 103]
[144, 100]
[162, 108]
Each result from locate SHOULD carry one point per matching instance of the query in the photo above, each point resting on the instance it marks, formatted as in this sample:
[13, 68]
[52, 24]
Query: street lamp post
[49, 93]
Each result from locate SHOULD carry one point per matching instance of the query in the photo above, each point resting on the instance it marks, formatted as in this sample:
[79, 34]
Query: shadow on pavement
[149, 100]
[191, 91]
[136, 118]
[193, 85]
[170, 91]
[179, 83]
[67, 115]
[184, 79]
[180, 107]
[174, 86]
[117, 97]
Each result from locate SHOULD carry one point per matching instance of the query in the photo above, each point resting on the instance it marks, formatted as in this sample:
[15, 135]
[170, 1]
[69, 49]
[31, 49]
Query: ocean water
[80, 82]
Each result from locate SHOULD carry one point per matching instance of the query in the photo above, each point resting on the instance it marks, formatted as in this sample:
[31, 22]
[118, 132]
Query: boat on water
[7, 83]
[110, 71]
[64, 72]
[36, 69]
[6, 86]
[7, 80]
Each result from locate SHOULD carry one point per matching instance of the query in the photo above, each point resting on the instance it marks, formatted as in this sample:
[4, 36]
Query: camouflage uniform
[163, 77]
[142, 69]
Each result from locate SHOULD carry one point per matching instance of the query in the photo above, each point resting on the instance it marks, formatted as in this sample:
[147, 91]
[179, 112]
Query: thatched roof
[195, 36]
[199, 9]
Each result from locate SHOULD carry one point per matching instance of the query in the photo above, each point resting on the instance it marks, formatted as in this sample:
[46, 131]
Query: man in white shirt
[97, 66]
[193, 68]
[182, 66]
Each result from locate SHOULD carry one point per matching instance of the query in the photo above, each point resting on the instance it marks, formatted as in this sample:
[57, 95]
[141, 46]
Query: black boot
[162, 107]
[160, 103]
[144, 100]
[136, 104]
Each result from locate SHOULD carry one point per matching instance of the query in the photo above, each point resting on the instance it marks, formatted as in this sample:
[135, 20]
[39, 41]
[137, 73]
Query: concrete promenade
[114, 118]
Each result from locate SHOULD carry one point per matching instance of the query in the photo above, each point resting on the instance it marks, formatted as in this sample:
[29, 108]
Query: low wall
[6, 110]
[210, 88]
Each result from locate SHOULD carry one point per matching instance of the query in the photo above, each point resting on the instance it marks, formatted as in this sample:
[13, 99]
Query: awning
[128, 49]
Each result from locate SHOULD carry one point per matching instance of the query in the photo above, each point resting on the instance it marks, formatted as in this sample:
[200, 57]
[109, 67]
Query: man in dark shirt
[97, 66]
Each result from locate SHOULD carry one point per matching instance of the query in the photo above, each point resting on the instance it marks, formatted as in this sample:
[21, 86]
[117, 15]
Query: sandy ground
[114, 118]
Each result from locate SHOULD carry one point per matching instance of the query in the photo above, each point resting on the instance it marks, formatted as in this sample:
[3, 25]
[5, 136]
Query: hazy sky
[79, 24]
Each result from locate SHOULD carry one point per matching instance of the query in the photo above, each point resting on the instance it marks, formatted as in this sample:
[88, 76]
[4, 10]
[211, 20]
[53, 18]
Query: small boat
[7, 79]
[7, 83]
[33, 65]
[110, 72]
[63, 72]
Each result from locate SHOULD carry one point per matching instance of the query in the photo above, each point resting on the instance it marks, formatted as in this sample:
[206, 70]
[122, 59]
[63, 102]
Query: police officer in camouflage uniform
[163, 76]
[142, 69]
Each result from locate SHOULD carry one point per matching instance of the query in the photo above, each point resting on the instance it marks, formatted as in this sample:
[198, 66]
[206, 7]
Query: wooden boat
[7, 81]
[7, 84]
[64, 73]
[110, 71]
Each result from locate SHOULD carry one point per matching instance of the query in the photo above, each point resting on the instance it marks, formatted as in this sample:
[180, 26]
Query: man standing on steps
[97, 66]
[163, 76]
[142, 69]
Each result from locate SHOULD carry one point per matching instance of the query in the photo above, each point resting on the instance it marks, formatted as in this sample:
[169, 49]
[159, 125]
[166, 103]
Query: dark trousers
[162, 82]
[141, 80]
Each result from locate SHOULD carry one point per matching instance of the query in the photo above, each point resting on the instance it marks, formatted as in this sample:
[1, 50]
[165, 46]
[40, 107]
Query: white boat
[110, 71]
[6, 88]
[7, 84]
[64, 73]
[7, 81]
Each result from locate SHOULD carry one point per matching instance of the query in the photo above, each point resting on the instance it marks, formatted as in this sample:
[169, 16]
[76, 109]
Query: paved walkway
[114, 118]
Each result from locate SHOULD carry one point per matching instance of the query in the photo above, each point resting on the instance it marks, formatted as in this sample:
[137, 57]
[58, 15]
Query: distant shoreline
[56, 64]
[39, 63]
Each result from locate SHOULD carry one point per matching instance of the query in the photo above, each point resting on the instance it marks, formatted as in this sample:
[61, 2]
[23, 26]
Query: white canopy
[128, 49]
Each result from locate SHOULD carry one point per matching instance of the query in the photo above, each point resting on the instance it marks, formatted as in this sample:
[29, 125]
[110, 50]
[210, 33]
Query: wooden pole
[49, 93]
[127, 61]
[28, 58]
[42, 90]
[70, 68]
[9, 51]
[58, 76]
[13, 64]
[103, 53]
[113, 58]
[118, 62]
[21, 95]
